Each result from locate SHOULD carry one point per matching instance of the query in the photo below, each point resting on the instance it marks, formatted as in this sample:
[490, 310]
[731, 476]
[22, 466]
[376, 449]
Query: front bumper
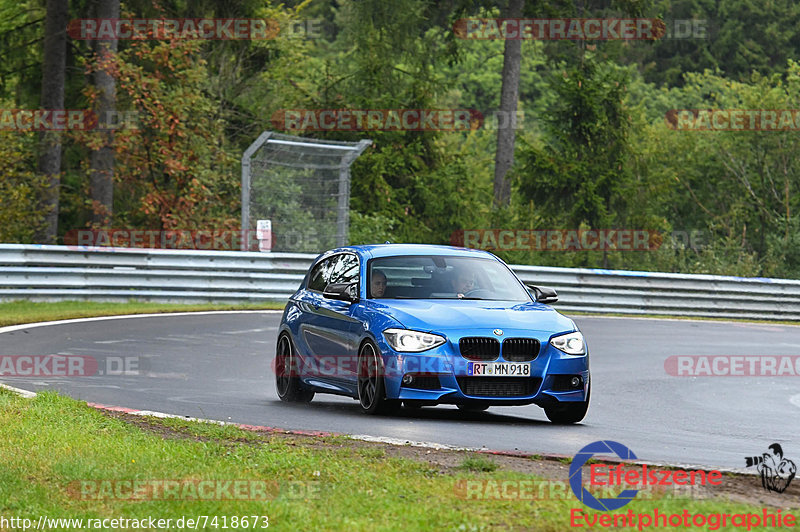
[441, 374]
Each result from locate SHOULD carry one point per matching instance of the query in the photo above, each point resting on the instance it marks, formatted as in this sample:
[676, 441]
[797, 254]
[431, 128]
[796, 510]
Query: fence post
[248, 154]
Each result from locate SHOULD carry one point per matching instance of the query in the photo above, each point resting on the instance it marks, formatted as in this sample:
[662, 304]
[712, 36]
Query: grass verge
[18, 312]
[51, 444]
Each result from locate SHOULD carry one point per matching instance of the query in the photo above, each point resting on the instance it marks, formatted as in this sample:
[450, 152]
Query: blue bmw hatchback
[421, 325]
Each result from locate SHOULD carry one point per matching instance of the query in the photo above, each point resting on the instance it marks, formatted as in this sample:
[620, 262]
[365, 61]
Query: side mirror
[543, 294]
[342, 291]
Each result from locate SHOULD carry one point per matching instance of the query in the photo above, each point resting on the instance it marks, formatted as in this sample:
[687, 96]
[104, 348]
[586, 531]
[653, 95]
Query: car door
[330, 331]
[308, 303]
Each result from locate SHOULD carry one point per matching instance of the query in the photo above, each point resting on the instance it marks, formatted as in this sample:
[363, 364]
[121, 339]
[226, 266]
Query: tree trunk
[52, 97]
[506, 131]
[101, 164]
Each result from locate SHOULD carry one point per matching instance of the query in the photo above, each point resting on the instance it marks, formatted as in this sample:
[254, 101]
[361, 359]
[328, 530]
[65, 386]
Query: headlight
[411, 341]
[570, 343]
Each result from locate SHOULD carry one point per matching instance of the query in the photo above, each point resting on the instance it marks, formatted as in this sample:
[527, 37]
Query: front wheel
[371, 386]
[568, 413]
[287, 381]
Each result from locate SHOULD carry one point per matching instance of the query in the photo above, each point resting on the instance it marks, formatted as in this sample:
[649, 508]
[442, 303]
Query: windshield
[443, 277]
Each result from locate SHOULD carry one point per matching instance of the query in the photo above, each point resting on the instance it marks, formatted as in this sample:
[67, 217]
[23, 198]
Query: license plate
[498, 369]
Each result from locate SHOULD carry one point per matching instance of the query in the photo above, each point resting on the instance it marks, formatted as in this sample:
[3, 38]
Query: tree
[19, 187]
[739, 186]
[101, 178]
[581, 169]
[175, 169]
[509, 93]
[53, 74]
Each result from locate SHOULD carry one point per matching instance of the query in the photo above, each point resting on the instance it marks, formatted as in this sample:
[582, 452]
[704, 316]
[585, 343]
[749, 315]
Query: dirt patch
[735, 487]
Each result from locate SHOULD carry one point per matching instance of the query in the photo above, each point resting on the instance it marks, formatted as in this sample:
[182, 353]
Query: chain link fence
[303, 186]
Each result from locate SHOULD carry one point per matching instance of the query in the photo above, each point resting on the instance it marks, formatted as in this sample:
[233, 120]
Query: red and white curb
[163, 415]
[263, 428]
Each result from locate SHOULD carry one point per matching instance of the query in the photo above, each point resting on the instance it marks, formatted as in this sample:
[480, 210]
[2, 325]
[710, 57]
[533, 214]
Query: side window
[346, 270]
[321, 274]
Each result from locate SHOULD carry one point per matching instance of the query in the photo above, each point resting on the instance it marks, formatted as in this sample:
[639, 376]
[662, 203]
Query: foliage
[580, 170]
[173, 168]
[593, 148]
[19, 187]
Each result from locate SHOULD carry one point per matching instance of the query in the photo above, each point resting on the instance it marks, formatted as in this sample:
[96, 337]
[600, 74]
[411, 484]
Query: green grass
[478, 463]
[50, 442]
[16, 312]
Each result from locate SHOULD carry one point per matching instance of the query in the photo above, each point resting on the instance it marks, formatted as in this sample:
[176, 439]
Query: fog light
[576, 382]
[408, 379]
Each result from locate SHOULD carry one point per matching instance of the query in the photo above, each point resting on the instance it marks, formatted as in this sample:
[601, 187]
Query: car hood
[432, 315]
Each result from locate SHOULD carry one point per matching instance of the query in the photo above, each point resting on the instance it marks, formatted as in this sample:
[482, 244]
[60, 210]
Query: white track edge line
[23, 326]
[19, 391]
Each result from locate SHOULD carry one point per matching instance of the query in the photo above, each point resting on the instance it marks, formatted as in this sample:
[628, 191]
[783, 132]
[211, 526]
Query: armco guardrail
[48, 273]
[43, 273]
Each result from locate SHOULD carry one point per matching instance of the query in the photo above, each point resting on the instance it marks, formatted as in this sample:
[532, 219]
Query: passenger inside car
[377, 284]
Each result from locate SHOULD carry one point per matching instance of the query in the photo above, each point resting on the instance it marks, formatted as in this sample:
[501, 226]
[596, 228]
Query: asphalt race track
[218, 366]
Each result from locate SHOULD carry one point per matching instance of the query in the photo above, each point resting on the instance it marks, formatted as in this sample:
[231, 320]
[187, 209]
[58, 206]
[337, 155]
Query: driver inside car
[463, 283]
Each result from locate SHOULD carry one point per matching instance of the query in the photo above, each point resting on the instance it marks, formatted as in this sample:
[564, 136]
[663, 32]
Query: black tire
[371, 386]
[473, 407]
[568, 413]
[287, 381]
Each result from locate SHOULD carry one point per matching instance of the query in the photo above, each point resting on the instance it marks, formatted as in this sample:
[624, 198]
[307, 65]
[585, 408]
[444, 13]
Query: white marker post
[264, 235]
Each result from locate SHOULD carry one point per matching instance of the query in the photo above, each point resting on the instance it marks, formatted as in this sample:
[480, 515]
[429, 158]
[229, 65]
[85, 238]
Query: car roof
[394, 250]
